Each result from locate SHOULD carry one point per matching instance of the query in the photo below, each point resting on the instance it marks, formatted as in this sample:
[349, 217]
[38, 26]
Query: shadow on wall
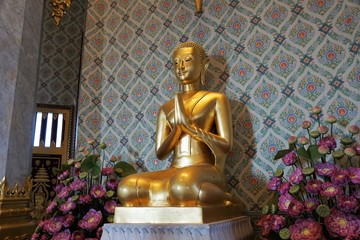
[240, 172]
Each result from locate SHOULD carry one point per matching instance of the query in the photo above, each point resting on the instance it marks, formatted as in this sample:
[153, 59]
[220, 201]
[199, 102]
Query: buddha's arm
[166, 138]
[221, 142]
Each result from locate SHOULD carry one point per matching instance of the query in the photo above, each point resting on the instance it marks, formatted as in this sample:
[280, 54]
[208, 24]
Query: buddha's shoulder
[213, 95]
[167, 106]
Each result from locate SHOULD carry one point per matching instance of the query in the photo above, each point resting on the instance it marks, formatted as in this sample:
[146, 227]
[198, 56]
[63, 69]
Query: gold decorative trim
[59, 8]
[19, 237]
[15, 192]
[198, 5]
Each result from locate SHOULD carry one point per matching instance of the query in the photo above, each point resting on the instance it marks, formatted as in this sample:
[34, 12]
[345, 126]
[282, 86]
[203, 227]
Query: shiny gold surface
[15, 221]
[198, 5]
[175, 215]
[196, 127]
[59, 8]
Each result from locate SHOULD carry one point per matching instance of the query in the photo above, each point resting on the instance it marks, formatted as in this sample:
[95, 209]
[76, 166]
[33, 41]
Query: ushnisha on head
[190, 62]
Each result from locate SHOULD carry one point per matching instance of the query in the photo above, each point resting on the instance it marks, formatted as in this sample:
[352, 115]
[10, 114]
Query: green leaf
[303, 153]
[88, 163]
[282, 153]
[123, 169]
[314, 152]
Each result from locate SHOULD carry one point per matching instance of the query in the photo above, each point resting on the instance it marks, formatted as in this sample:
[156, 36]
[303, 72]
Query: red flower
[91, 220]
[340, 224]
[306, 229]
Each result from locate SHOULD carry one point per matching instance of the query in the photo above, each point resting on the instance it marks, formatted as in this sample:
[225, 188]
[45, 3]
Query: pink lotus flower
[340, 224]
[289, 158]
[64, 175]
[68, 220]
[311, 204]
[314, 186]
[354, 175]
[97, 191]
[51, 207]
[284, 188]
[328, 142]
[330, 190]
[274, 183]
[112, 184]
[84, 199]
[110, 206]
[325, 169]
[306, 229]
[64, 193]
[107, 171]
[340, 177]
[99, 232]
[350, 152]
[59, 187]
[77, 184]
[277, 222]
[357, 149]
[285, 201]
[53, 225]
[65, 235]
[78, 235]
[67, 206]
[91, 220]
[295, 208]
[265, 224]
[296, 176]
[348, 204]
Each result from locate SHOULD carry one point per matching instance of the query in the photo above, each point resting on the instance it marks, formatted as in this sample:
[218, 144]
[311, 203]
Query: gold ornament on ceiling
[59, 8]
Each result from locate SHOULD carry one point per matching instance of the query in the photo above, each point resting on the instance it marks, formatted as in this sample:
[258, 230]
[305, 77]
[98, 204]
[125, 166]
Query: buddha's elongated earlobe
[202, 77]
[204, 66]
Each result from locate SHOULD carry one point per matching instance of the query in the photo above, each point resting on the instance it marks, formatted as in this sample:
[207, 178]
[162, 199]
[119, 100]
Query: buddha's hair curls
[199, 49]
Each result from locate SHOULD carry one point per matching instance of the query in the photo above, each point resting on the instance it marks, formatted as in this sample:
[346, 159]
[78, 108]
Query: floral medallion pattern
[273, 59]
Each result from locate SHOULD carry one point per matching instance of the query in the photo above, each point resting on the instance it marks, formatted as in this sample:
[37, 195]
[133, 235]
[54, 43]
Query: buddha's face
[187, 64]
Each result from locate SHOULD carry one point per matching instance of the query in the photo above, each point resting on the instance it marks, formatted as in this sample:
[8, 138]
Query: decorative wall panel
[60, 55]
[274, 59]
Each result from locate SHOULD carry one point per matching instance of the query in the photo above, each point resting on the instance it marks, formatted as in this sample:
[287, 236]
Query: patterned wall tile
[273, 59]
[60, 56]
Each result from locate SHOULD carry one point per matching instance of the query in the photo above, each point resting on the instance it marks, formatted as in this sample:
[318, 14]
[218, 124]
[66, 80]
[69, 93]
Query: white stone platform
[238, 228]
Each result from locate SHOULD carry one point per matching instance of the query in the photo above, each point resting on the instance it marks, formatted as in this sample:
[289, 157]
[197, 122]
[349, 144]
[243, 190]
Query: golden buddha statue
[196, 127]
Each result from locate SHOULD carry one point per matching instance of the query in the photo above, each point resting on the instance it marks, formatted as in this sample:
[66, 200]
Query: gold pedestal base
[15, 221]
[172, 215]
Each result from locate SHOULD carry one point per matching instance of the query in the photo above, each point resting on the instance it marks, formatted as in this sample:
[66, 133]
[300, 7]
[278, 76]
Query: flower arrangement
[85, 196]
[319, 198]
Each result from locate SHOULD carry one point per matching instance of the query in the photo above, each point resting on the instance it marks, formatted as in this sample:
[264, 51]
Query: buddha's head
[190, 62]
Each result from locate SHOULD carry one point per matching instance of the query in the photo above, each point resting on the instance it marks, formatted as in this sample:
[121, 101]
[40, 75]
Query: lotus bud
[90, 141]
[78, 165]
[350, 152]
[70, 161]
[316, 110]
[303, 140]
[306, 124]
[292, 139]
[314, 134]
[354, 129]
[81, 149]
[323, 149]
[323, 129]
[113, 159]
[331, 119]
[357, 148]
[103, 145]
